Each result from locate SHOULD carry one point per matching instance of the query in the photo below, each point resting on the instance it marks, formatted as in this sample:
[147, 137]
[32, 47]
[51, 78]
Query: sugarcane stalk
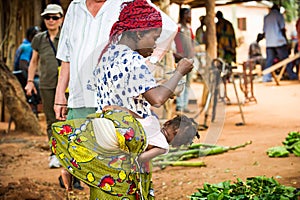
[213, 151]
[176, 155]
[181, 163]
[198, 145]
[196, 152]
[240, 146]
[187, 157]
[220, 149]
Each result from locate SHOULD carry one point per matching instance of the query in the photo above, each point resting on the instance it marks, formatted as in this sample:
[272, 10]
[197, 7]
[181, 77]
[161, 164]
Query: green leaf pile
[291, 145]
[279, 151]
[254, 188]
[292, 142]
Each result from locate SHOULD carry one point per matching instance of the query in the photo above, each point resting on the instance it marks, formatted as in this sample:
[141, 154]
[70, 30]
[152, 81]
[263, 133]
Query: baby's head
[180, 130]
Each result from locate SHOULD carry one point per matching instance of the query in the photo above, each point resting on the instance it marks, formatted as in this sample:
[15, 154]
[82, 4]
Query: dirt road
[24, 158]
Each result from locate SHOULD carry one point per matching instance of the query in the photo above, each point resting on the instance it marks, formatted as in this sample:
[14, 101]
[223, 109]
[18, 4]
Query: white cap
[52, 9]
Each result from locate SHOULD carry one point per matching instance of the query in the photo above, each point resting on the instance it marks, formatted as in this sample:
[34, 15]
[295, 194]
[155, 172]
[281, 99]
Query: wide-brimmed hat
[52, 9]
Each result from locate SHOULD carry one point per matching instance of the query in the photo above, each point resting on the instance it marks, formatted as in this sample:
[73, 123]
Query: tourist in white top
[85, 30]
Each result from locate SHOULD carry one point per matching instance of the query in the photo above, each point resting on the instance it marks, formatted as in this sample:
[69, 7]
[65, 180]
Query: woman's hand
[184, 66]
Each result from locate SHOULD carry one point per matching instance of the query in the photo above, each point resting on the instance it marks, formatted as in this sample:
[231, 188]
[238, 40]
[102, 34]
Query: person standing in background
[21, 63]
[276, 42]
[24, 51]
[184, 42]
[298, 32]
[297, 48]
[201, 37]
[43, 53]
[226, 41]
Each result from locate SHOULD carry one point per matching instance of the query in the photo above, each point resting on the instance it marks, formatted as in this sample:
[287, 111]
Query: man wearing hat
[44, 46]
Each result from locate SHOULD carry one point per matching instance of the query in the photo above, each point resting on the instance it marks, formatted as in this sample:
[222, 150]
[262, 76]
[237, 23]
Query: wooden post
[211, 47]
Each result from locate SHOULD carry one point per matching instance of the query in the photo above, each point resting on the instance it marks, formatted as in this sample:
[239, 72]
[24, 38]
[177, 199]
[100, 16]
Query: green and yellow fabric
[111, 174]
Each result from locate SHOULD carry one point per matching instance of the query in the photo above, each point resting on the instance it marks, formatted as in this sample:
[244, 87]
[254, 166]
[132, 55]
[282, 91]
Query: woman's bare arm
[159, 95]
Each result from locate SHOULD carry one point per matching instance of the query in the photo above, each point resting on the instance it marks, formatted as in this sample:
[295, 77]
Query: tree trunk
[1, 31]
[15, 101]
[211, 46]
[12, 30]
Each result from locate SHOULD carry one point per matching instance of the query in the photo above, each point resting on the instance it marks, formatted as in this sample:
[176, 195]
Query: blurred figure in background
[298, 33]
[297, 47]
[201, 37]
[24, 51]
[21, 63]
[276, 42]
[255, 52]
[226, 40]
[184, 42]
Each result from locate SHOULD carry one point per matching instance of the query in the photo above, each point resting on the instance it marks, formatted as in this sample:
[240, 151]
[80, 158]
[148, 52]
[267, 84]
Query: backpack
[17, 59]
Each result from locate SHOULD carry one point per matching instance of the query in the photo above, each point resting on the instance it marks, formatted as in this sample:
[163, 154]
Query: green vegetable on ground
[176, 156]
[254, 188]
[292, 142]
[279, 151]
[291, 145]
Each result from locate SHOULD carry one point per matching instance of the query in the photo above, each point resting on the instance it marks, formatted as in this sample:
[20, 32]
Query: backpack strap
[53, 48]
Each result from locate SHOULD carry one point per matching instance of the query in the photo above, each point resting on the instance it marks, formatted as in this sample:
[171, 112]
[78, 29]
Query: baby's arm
[151, 153]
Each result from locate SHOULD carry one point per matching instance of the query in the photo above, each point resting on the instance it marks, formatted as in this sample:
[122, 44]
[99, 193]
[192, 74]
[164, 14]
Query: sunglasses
[47, 17]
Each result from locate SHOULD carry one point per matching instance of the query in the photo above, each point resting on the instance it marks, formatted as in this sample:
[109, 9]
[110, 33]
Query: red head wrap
[136, 15]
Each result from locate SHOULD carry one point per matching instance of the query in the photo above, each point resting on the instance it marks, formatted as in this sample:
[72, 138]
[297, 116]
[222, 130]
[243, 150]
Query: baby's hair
[187, 130]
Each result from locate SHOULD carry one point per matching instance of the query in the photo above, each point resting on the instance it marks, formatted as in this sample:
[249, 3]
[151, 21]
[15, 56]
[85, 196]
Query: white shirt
[154, 136]
[81, 41]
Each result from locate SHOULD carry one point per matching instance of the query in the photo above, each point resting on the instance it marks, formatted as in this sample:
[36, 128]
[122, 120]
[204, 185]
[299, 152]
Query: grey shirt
[273, 24]
[48, 62]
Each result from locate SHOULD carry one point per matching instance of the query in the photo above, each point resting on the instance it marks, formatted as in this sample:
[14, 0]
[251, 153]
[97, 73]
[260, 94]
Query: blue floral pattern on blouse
[121, 77]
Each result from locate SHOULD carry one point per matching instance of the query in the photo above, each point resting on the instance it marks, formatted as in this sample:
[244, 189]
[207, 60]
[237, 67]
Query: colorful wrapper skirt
[110, 174]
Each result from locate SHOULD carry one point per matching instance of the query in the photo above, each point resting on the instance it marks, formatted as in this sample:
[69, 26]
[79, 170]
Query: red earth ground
[24, 172]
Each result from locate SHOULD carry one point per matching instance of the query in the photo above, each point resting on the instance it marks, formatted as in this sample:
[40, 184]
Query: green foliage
[279, 151]
[292, 142]
[255, 188]
[291, 7]
[291, 145]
